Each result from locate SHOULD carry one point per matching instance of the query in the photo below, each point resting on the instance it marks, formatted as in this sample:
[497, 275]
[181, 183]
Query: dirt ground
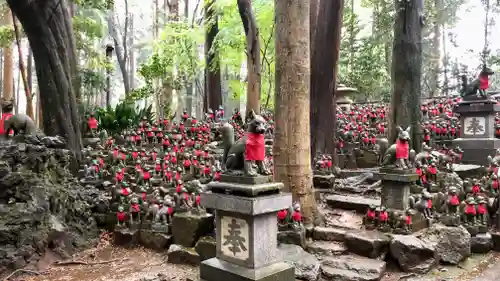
[108, 263]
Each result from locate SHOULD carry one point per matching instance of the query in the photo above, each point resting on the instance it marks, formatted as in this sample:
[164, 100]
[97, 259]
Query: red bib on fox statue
[255, 147]
[5, 116]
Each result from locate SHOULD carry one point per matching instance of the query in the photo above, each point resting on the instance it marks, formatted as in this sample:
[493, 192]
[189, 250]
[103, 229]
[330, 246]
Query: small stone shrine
[477, 133]
[246, 229]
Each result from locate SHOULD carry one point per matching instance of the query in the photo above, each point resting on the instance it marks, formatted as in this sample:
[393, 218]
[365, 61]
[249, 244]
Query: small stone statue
[135, 211]
[182, 200]
[408, 221]
[92, 124]
[371, 216]
[470, 211]
[493, 185]
[121, 217]
[482, 211]
[296, 216]
[453, 202]
[383, 216]
[398, 154]
[164, 215]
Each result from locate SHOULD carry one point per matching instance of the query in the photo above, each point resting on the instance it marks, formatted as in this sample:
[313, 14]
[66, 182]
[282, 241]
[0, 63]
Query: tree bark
[324, 68]
[8, 66]
[313, 21]
[253, 54]
[291, 148]
[131, 57]
[213, 89]
[48, 27]
[407, 70]
[436, 48]
[22, 72]
[30, 70]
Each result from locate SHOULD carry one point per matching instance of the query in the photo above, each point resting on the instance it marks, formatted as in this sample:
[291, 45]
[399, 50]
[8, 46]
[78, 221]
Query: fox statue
[398, 154]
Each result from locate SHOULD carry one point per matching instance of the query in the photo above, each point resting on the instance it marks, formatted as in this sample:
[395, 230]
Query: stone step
[370, 244]
[352, 268]
[328, 248]
[329, 234]
[357, 203]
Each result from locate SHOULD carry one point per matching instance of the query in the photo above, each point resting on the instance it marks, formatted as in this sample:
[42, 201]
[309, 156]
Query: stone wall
[42, 206]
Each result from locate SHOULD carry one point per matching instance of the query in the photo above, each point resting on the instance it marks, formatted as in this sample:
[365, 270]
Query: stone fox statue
[478, 86]
[241, 155]
[20, 124]
[398, 154]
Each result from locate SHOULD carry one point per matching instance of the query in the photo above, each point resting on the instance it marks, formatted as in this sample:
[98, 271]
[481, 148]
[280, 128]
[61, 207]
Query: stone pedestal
[477, 133]
[396, 186]
[246, 230]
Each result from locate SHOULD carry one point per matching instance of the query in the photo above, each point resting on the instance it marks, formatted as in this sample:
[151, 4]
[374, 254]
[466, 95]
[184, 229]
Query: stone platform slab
[356, 203]
[215, 269]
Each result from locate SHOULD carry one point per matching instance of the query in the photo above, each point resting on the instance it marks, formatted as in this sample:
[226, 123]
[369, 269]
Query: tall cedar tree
[292, 152]
[212, 71]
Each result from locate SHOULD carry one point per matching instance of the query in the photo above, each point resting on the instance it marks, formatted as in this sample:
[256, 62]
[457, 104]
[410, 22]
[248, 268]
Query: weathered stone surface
[352, 268]
[371, 244]
[178, 254]
[327, 248]
[125, 237]
[412, 254]
[452, 244]
[307, 267]
[293, 237]
[92, 142]
[495, 237]
[188, 227]
[329, 233]
[41, 204]
[356, 203]
[481, 243]
[324, 181]
[206, 247]
[155, 240]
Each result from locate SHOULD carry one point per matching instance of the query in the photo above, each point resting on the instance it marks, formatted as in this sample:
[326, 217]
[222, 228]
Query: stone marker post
[396, 187]
[477, 130]
[246, 230]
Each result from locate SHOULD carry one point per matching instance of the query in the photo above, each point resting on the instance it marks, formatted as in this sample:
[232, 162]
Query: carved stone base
[232, 177]
[248, 190]
[160, 227]
[472, 229]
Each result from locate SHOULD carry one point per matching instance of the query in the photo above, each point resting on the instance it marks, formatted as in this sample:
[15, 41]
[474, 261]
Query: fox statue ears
[400, 130]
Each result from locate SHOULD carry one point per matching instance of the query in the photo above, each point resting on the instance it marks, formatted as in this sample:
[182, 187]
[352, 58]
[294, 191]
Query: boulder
[412, 254]
[352, 268]
[307, 267]
[297, 237]
[187, 227]
[481, 243]
[178, 254]
[206, 247]
[154, 240]
[328, 234]
[92, 142]
[495, 236]
[370, 244]
[324, 181]
[452, 244]
[326, 248]
[125, 237]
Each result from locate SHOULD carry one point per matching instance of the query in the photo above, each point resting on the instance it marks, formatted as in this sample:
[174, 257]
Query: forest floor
[108, 263]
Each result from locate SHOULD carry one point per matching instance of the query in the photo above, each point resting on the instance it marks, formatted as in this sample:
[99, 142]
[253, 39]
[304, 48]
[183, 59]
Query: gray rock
[188, 227]
[452, 244]
[178, 254]
[370, 244]
[412, 254]
[481, 243]
[352, 268]
[125, 237]
[92, 142]
[155, 240]
[326, 248]
[324, 181]
[206, 247]
[293, 237]
[307, 267]
[329, 234]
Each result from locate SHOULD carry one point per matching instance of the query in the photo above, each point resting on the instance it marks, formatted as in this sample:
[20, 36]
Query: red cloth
[432, 170]
[383, 216]
[198, 200]
[92, 123]
[454, 200]
[135, 154]
[120, 216]
[370, 214]
[402, 150]
[146, 176]
[429, 204]
[470, 209]
[282, 214]
[408, 220]
[296, 216]
[125, 191]
[481, 209]
[255, 147]
[483, 82]
[170, 210]
[476, 189]
[135, 207]
[5, 116]
[217, 176]
[494, 184]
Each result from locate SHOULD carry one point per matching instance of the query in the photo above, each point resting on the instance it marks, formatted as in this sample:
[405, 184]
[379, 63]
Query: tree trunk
[120, 42]
[8, 65]
[436, 48]
[173, 10]
[446, 64]
[253, 54]
[49, 30]
[213, 89]
[406, 70]
[131, 57]
[22, 72]
[291, 148]
[186, 11]
[17, 91]
[30, 71]
[313, 21]
[324, 76]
